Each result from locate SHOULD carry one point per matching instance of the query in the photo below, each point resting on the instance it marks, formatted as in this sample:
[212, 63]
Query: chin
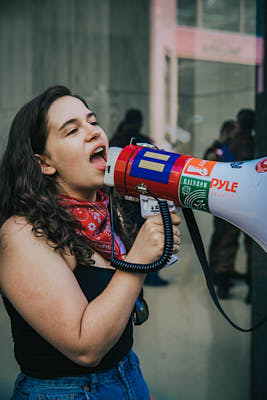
[99, 184]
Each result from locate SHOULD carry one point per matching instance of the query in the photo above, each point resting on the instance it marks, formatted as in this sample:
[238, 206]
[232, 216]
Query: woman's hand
[149, 243]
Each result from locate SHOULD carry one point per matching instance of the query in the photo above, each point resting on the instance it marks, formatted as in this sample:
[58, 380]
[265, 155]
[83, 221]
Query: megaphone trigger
[149, 206]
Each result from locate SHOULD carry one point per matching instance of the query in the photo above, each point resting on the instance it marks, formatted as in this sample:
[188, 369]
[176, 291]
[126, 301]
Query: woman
[70, 310]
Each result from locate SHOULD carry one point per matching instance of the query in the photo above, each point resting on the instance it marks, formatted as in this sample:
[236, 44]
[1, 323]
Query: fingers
[175, 249]
[176, 239]
[156, 230]
[175, 230]
[149, 243]
[176, 219]
[176, 244]
[156, 222]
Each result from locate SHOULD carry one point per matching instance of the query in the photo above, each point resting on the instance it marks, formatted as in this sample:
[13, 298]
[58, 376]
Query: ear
[46, 165]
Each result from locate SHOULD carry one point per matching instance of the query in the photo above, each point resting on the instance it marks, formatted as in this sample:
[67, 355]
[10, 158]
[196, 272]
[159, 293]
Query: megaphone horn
[233, 191]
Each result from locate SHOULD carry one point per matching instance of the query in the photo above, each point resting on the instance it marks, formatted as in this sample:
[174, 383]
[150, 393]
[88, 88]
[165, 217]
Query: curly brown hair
[26, 191]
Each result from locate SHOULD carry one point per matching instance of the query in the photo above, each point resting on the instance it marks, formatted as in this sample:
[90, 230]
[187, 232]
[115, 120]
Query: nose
[92, 132]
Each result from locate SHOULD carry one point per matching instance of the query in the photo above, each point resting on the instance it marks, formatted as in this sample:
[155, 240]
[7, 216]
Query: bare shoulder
[15, 223]
[17, 235]
[19, 248]
[13, 230]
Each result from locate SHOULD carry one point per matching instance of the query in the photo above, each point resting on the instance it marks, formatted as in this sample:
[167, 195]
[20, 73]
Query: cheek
[66, 153]
[68, 163]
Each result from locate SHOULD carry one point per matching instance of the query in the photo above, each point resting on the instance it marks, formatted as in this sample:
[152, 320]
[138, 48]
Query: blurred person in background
[242, 143]
[219, 150]
[243, 148]
[224, 241]
[128, 128]
[236, 144]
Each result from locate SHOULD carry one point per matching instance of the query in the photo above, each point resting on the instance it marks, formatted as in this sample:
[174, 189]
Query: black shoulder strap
[199, 247]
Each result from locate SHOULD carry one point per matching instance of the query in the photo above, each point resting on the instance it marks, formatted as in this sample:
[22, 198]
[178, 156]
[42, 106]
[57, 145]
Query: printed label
[261, 166]
[153, 165]
[199, 167]
[237, 164]
[194, 193]
[224, 185]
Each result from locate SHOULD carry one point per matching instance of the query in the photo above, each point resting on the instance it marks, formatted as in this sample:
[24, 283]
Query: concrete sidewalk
[187, 349]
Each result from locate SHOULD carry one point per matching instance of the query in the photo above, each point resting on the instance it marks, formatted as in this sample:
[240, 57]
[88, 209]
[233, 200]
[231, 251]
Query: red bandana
[95, 223]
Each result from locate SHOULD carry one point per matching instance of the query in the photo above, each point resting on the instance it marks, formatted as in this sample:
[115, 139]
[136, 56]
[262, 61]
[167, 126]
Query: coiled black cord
[168, 244]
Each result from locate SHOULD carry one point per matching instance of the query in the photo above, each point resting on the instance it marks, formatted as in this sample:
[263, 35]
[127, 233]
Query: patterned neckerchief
[95, 223]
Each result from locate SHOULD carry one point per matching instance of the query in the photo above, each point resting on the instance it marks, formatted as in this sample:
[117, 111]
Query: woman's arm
[44, 290]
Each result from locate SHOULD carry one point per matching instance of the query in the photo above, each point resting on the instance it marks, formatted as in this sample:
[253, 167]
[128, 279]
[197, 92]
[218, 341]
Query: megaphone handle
[168, 245]
[199, 247]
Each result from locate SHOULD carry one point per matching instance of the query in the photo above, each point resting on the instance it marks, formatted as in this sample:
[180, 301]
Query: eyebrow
[73, 120]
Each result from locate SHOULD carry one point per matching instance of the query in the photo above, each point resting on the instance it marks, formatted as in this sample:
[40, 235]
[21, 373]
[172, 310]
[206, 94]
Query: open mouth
[99, 157]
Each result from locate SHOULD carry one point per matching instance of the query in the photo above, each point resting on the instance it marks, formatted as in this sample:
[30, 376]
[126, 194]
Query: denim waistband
[90, 380]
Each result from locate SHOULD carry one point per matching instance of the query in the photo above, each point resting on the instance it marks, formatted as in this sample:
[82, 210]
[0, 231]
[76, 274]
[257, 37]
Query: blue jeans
[124, 382]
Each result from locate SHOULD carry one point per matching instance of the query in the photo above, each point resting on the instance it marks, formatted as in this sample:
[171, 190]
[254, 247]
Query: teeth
[98, 150]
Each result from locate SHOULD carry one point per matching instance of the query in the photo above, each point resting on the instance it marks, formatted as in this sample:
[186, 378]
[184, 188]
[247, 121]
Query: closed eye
[72, 131]
[91, 118]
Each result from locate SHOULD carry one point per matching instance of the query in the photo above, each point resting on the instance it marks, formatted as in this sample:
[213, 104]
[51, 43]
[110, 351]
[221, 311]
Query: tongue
[98, 162]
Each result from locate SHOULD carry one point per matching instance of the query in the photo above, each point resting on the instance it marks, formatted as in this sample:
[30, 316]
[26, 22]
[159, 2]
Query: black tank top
[39, 359]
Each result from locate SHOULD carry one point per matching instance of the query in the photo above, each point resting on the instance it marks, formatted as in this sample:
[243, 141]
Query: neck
[85, 196]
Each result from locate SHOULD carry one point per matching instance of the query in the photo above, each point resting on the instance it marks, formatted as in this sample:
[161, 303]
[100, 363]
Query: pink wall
[184, 42]
[221, 46]
[163, 41]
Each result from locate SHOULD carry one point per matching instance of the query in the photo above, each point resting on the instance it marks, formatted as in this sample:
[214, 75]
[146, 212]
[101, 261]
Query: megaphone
[233, 191]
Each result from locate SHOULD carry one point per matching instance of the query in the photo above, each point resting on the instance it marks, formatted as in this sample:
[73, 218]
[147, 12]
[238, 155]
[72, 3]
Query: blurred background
[187, 65]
